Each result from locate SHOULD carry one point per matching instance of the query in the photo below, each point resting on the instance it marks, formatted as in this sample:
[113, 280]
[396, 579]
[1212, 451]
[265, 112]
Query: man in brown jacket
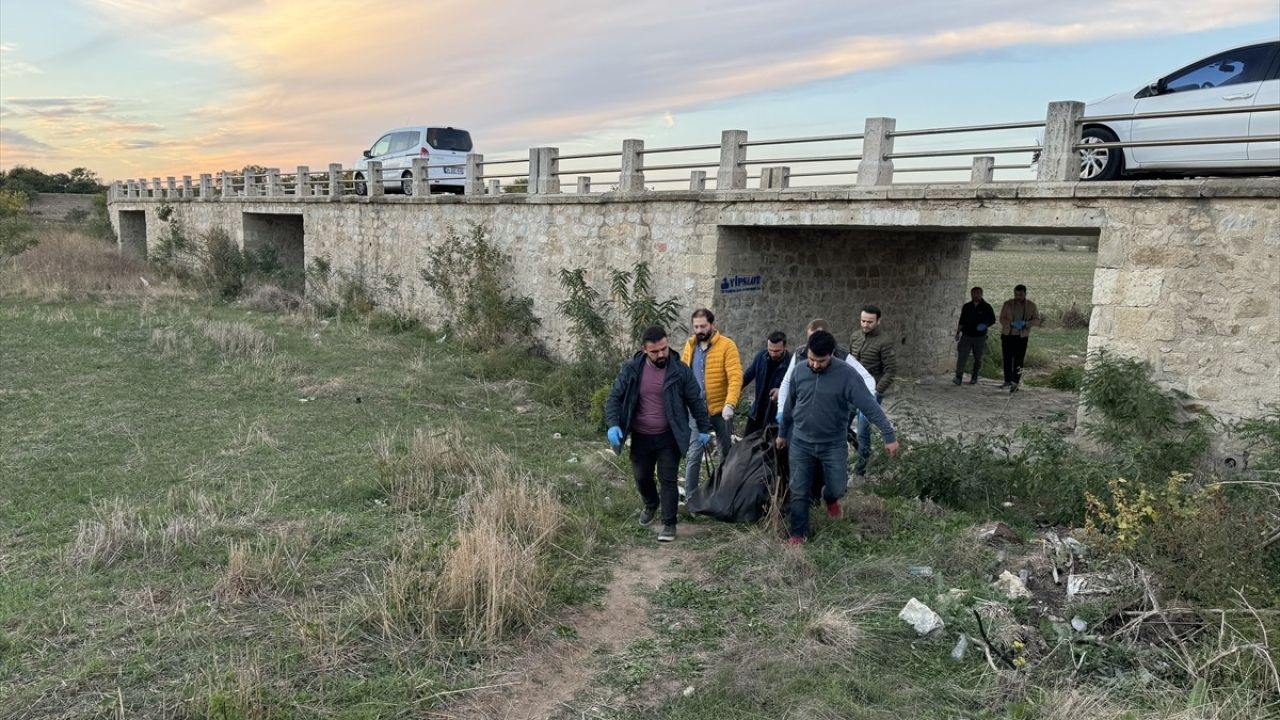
[875, 351]
[1017, 316]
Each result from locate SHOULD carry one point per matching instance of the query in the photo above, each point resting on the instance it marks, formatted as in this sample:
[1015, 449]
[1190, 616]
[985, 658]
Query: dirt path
[934, 406]
[551, 675]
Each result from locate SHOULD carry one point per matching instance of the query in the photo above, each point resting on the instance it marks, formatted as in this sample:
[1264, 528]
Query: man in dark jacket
[976, 317]
[652, 400]
[823, 396]
[876, 352]
[767, 370]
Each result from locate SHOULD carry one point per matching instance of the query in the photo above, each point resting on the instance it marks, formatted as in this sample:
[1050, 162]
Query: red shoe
[796, 540]
[833, 510]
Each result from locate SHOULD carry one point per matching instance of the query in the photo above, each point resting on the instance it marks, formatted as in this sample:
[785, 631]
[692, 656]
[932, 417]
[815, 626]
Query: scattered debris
[1011, 586]
[957, 652]
[573, 459]
[998, 532]
[1090, 584]
[688, 692]
[1078, 624]
[556, 436]
[920, 570]
[923, 619]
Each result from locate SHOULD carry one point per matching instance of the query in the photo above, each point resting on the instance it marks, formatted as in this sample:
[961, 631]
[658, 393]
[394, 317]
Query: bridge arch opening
[277, 243]
[133, 232]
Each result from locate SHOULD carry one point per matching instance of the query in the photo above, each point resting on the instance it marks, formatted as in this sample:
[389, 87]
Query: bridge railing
[874, 157]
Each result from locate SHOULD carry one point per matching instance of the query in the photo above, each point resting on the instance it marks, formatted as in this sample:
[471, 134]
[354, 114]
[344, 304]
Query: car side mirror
[368, 153]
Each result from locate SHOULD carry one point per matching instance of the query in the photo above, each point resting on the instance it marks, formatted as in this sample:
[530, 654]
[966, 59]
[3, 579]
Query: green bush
[225, 266]
[1064, 377]
[972, 474]
[572, 387]
[598, 399]
[15, 230]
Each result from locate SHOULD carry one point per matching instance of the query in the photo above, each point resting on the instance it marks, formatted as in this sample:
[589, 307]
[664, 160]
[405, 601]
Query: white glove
[727, 412]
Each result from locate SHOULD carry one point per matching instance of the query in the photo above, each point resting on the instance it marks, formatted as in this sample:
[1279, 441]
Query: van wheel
[406, 183]
[361, 187]
[1102, 163]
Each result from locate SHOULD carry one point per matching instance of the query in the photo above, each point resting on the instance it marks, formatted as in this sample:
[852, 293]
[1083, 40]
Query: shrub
[225, 266]
[470, 278]
[15, 230]
[572, 386]
[1074, 318]
[595, 416]
[974, 474]
[1064, 377]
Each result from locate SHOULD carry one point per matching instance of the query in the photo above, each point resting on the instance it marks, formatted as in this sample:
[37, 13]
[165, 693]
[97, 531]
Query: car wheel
[406, 183]
[361, 187]
[1100, 163]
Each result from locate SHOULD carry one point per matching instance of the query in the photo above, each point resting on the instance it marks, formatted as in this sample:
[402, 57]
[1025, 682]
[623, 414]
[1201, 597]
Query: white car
[444, 148]
[1241, 77]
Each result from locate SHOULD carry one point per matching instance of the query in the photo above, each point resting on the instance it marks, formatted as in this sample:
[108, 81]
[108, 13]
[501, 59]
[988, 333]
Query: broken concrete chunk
[1011, 586]
[923, 619]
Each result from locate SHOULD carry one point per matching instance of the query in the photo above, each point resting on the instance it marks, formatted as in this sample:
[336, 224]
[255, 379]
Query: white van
[444, 148]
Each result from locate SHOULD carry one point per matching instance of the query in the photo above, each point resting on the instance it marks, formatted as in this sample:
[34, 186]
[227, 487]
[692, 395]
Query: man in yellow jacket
[718, 369]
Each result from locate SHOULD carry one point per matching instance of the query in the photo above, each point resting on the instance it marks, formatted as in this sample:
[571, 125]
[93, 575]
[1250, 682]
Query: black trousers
[662, 452]
[1014, 350]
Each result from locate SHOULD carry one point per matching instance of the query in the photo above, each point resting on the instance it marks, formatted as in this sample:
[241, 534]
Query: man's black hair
[777, 336]
[653, 334]
[871, 309]
[1019, 288]
[821, 344]
[704, 313]
[975, 287]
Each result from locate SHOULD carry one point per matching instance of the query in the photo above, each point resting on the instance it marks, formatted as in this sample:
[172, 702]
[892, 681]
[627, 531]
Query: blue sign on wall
[741, 283]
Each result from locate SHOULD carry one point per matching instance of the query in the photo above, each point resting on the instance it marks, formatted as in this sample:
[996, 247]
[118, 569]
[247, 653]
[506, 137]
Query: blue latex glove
[615, 436]
[704, 438]
[982, 327]
[1019, 324]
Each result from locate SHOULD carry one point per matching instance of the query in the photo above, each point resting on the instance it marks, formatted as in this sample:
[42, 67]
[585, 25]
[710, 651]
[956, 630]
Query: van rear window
[449, 139]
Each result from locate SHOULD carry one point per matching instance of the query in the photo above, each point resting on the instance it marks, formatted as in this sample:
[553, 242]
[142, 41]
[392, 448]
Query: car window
[449, 139]
[381, 147]
[404, 141]
[1233, 67]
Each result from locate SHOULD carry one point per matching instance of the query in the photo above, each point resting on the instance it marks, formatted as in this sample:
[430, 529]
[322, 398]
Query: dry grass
[250, 571]
[835, 628]
[170, 342]
[236, 690]
[496, 576]
[116, 530]
[68, 265]
[237, 339]
[269, 298]
[431, 471]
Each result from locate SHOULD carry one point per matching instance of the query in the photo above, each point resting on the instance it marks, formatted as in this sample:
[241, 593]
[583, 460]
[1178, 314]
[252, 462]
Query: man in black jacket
[651, 400]
[971, 334]
[767, 370]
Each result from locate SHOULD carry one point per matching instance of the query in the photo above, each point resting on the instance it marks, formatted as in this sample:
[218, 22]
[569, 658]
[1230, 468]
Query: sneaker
[646, 515]
[973, 380]
[668, 533]
[834, 510]
[1005, 384]
[796, 540]
[1013, 387]
[957, 380]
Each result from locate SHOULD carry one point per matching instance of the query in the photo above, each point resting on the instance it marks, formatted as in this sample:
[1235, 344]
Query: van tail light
[422, 152]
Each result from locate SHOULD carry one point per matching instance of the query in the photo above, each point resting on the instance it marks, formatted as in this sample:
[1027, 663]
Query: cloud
[18, 139]
[13, 68]
[668, 119]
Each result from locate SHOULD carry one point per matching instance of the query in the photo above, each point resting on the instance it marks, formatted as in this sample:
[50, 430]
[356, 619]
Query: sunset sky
[133, 88]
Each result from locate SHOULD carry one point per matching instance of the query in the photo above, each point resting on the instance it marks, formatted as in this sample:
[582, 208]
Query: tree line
[28, 181]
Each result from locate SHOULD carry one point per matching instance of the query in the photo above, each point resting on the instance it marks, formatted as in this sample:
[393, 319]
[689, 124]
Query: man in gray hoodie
[814, 425]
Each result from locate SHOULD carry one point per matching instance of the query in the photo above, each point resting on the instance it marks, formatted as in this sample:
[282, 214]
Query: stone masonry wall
[915, 278]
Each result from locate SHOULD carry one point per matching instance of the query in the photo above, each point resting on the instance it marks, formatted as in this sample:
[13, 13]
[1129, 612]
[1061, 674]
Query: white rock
[1079, 624]
[1011, 586]
[688, 691]
[923, 619]
[957, 652]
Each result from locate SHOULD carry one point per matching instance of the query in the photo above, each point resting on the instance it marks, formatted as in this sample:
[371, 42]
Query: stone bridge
[1188, 274]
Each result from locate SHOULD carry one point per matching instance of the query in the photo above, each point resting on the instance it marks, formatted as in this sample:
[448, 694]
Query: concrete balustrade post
[143, 190]
[273, 182]
[766, 178]
[250, 184]
[544, 164]
[984, 170]
[584, 185]
[170, 187]
[876, 168]
[206, 186]
[335, 180]
[474, 174]
[495, 187]
[1059, 159]
[302, 182]
[157, 190]
[228, 189]
[733, 153]
[698, 180]
[186, 187]
[373, 178]
[421, 182]
[781, 179]
[631, 179]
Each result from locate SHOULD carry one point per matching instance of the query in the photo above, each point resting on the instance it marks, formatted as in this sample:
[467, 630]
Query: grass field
[215, 512]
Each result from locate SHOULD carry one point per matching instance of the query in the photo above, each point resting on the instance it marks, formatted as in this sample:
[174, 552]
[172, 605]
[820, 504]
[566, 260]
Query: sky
[135, 88]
